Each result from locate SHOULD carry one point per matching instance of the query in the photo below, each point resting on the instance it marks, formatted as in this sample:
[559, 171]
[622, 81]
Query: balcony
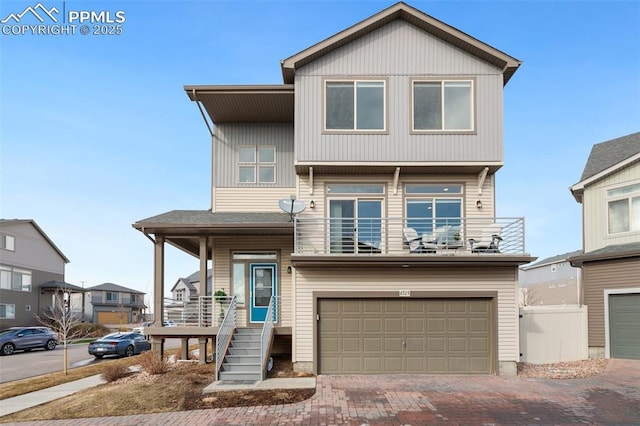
[423, 239]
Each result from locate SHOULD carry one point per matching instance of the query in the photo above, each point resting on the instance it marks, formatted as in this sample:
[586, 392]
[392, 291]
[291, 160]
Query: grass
[32, 384]
[178, 389]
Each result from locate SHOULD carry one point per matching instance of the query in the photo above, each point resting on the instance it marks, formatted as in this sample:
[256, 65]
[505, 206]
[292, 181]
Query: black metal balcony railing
[401, 236]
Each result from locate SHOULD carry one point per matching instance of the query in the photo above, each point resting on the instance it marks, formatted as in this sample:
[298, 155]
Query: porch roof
[61, 285]
[183, 228]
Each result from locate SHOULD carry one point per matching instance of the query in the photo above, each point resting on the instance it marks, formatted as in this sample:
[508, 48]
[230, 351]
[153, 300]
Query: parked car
[140, 329]
[168, 323]
[27, 338]
[122, 344]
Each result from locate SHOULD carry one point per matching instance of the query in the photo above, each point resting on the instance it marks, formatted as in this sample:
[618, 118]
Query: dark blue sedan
[122, 344]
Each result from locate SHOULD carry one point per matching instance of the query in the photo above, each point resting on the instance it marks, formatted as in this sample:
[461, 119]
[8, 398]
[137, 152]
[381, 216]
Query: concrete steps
[242, 361]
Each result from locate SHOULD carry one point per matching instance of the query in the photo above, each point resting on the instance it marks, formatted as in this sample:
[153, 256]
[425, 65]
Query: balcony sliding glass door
[355, 225]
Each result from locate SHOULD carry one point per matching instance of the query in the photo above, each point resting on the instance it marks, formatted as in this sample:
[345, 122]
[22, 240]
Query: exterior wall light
[479, 204]
[312, 204]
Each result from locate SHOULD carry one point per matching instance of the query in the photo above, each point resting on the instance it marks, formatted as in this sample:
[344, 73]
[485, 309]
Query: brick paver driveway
[611, 398]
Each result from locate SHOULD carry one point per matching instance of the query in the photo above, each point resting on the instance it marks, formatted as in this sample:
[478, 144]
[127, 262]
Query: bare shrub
[152, 363]
[114, 371]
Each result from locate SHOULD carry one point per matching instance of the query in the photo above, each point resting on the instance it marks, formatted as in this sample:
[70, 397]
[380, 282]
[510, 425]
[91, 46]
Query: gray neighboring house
[550, 281]
[110, 303]
[32, 270]
[187, 289]
[609, 191]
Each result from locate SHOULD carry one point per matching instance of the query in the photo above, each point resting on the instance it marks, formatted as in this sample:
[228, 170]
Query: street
[22, 365]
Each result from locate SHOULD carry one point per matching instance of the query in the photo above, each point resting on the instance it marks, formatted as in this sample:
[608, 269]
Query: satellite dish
[291, 206]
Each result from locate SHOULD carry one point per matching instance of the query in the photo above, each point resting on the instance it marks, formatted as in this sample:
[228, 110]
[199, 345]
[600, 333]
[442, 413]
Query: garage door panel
[372, 336]
[436, 325]
[436, 344]
[393, 364]
[457, 344]
[457, 325]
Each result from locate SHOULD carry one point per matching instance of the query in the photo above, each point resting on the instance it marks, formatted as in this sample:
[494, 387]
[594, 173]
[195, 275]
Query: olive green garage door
[624, 325]
[379, 336]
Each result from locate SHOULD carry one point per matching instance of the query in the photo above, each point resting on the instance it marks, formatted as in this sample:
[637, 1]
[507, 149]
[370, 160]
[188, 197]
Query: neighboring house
[609, 191]
[390, 133]
[114, 304]
[31, 271]
[188, 289]
[550, 281]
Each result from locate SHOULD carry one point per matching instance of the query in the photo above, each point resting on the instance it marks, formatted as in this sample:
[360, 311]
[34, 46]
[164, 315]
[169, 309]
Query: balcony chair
[489, 241]
[416, 243]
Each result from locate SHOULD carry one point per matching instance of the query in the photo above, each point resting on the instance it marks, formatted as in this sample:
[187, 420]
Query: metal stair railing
[267, 333]
[225, 333]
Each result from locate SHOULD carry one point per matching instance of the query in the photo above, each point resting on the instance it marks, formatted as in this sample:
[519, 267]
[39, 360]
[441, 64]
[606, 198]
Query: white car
[168, 323]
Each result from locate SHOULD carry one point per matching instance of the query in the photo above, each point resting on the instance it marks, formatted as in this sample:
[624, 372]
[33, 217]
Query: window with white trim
[445, 105]
[257, 164]
[624, 209]
[7, 311]
[15, 279]
[7, 242]
[432, 206]
[355, 105]
[180, 295]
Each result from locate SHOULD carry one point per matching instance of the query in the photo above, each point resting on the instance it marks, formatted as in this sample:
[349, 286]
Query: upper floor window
[355, 105]
[112, 296]
[15, 279]
[257, 161]
[7, 242]
[179, 295]
[624, 209]
[135, 298]
[443, 105]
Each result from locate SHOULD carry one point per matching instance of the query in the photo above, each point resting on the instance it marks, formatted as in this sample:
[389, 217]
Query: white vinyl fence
[551, 334]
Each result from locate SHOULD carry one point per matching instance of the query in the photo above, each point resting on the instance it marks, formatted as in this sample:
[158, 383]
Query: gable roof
[413, 16]
[606, 158]
[35, 225]
[552, 259]
[191, 279]
[114, 287]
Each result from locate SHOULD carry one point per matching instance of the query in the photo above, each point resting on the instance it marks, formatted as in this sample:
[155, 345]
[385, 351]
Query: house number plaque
[405, 293]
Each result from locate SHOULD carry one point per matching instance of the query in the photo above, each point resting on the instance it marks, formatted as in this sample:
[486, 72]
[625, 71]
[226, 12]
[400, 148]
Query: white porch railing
[203, 312]
[267, 333]
[387, 236]
[225, 332]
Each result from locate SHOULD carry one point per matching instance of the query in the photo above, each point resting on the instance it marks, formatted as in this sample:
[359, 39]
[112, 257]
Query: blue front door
[263, 285]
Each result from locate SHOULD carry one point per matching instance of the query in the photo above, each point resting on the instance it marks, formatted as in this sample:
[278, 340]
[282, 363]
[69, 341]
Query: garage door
[110, 317]
[379, 336]
[624, 329]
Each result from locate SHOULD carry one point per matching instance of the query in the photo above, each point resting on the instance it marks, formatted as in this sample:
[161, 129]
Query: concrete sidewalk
[33, 399]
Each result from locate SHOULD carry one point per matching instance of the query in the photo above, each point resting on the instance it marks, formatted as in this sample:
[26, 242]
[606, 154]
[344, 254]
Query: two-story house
[609, 191]
[389, 135]
[31, 272]
[110, 303]
[551, 281]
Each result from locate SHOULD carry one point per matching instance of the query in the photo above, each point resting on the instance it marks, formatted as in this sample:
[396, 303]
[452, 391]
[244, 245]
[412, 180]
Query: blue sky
[97, 133]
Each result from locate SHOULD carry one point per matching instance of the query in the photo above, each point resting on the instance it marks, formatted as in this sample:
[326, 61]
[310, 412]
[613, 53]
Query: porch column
[202, 291]
[184, 353]
[157, 346]
[158, 281]
[202, 350]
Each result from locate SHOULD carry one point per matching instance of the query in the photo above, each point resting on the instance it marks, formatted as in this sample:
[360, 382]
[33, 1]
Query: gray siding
[601, 276]
[228, 137]
[398, 52]
[32, 250]
[33, 299]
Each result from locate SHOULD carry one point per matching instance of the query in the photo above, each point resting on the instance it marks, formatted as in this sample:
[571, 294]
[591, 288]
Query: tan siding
[444, 280]
[223, 247]
[595, 210]
[398, 52]
[250, 199]
[601, 276]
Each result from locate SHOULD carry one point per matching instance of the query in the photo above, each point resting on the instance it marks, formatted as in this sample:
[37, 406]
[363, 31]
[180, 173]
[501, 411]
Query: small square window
[247, 174]
[247, 154]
